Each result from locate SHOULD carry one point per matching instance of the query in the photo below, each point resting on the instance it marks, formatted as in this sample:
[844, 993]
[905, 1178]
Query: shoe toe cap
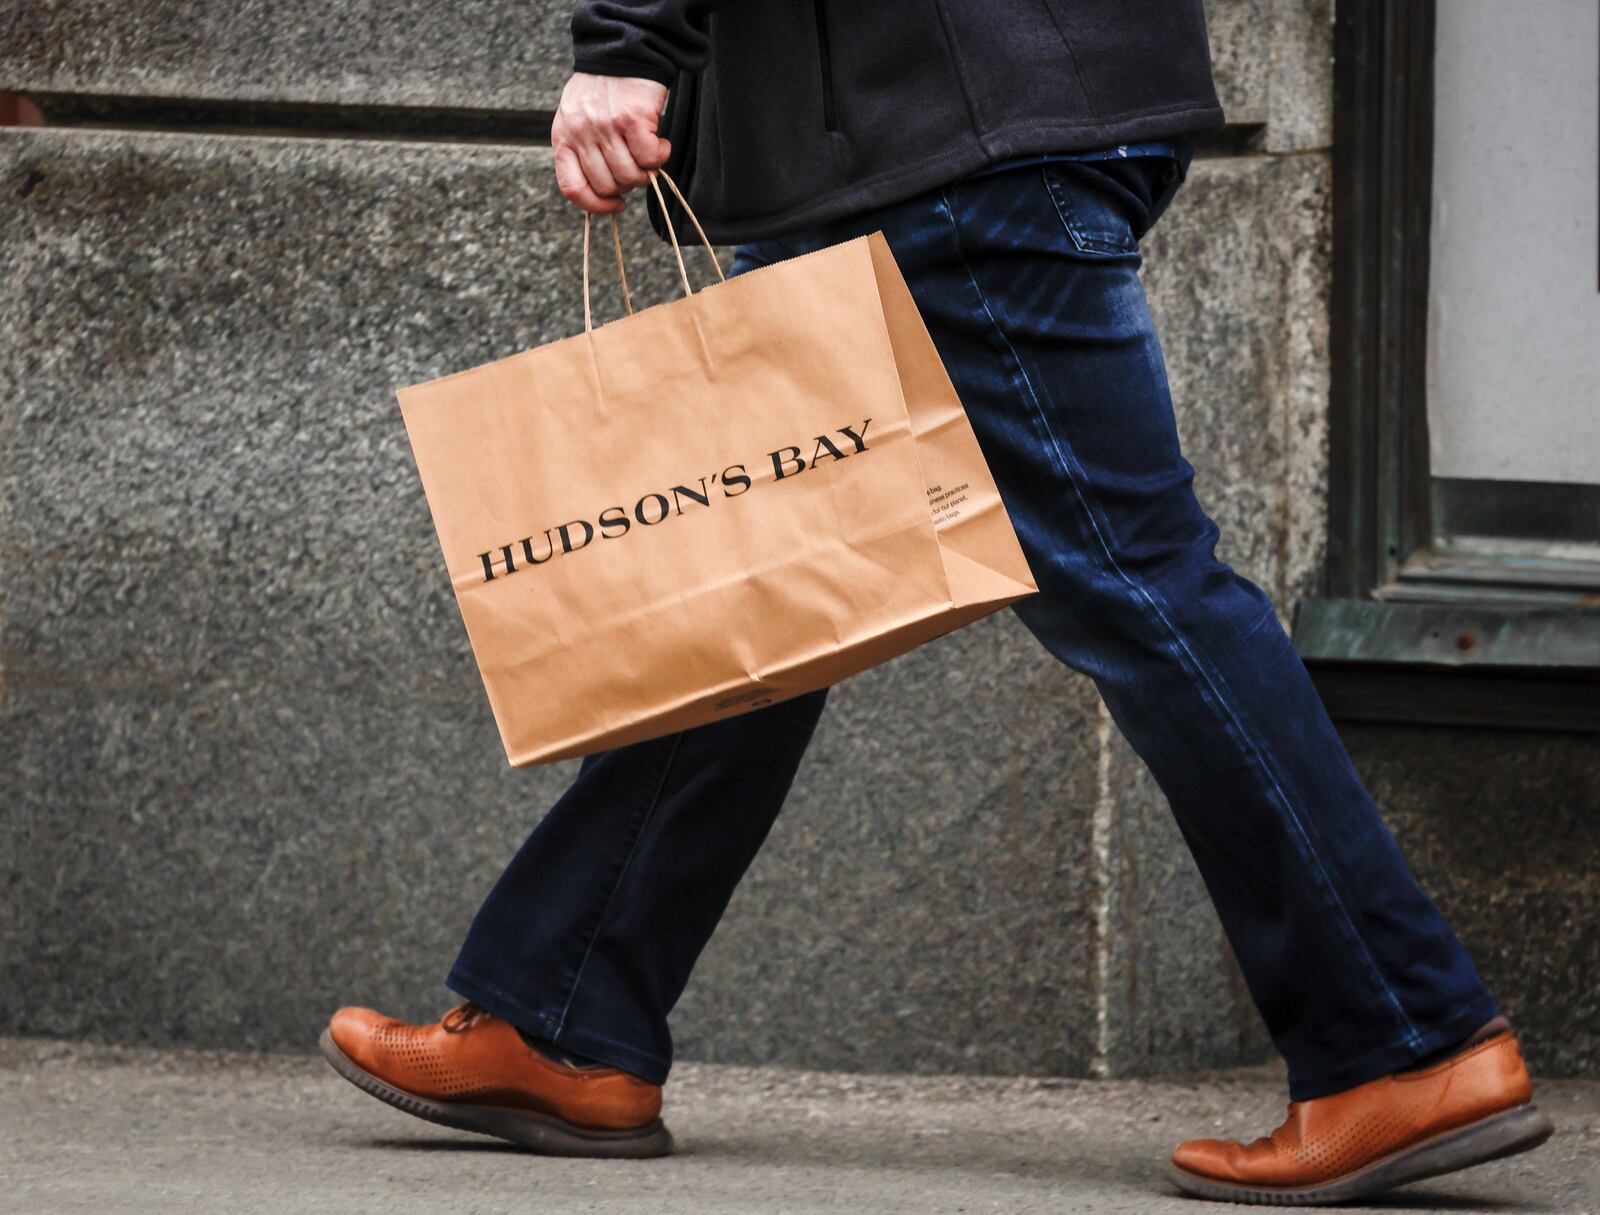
[1206, 1157]
[351, 1031]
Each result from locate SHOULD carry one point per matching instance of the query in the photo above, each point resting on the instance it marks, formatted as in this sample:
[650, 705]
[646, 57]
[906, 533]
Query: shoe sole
[1516, 1130]
[542, 1133]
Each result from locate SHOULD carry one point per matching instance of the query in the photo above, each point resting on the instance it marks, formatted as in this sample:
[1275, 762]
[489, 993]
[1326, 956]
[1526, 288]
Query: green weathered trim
[1455, 636]
[1453, 664]
[1378, 501]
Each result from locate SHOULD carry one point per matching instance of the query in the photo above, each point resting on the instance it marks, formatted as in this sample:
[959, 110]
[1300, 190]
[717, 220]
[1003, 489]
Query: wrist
[662, 74]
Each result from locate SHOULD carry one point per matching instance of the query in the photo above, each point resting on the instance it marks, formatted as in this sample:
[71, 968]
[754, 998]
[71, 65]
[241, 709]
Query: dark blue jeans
[1028, 281]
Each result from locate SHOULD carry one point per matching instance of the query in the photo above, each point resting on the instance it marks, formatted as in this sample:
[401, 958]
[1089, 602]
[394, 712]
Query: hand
[605, 140]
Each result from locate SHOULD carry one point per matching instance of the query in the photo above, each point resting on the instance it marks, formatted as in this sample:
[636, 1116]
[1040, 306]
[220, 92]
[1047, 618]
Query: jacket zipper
[830, 116]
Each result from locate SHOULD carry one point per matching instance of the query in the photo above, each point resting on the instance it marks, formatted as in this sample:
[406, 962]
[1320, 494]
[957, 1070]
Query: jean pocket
[1097, 228]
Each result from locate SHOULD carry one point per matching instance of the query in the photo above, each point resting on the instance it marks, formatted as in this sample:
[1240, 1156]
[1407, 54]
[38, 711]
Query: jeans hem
[547, 1025]
[1394, 1057]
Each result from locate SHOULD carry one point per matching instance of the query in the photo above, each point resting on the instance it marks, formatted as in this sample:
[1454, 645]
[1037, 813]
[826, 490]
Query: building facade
[249, 774]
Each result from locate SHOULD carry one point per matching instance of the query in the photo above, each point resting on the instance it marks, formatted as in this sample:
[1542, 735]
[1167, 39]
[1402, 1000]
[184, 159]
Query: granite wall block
[1273, 64]
[482, 54]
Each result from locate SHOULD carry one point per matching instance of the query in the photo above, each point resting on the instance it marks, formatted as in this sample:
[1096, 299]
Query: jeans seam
[1189, 661]
[633, 847]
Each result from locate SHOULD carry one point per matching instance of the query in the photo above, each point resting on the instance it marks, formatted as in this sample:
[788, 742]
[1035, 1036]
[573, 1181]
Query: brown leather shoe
[1473, 1107]
[472, 1071]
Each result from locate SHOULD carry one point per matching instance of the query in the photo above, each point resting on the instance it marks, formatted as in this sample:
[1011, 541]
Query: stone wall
[249, 772]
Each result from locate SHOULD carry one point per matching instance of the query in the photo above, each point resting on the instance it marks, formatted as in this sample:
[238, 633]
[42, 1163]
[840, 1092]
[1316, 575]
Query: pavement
[106, 1129]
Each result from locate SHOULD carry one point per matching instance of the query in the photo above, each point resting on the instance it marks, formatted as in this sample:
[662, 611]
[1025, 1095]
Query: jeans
[1028, 280]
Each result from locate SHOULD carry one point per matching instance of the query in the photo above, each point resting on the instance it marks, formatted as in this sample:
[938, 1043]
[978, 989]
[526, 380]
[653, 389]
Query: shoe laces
[461, 1017]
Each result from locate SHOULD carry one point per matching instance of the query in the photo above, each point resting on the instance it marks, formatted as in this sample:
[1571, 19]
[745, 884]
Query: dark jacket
[789, 113]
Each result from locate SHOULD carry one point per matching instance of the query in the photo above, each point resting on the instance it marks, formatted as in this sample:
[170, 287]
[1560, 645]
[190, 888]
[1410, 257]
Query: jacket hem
[979, 152]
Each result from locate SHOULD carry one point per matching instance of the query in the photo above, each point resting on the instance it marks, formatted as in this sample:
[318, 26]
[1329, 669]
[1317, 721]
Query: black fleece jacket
[788, 113]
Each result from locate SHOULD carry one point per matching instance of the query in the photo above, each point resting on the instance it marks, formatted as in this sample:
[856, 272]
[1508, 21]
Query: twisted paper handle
[656, 178]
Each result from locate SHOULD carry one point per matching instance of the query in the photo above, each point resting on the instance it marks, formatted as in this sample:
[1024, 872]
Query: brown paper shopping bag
[710, 505]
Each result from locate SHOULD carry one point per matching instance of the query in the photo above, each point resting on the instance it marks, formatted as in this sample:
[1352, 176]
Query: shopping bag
[709, 505]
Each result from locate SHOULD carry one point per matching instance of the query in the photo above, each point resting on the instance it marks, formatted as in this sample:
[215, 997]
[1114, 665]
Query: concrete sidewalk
[99, 1129]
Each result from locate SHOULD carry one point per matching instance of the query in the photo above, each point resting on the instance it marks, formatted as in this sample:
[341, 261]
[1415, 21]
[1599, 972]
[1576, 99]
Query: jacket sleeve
[655, 39]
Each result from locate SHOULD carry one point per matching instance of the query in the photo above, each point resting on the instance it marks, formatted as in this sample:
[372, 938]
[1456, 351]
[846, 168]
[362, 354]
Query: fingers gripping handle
[656, 178]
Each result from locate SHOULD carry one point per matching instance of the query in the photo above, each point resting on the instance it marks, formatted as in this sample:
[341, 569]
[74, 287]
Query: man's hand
[605, 138]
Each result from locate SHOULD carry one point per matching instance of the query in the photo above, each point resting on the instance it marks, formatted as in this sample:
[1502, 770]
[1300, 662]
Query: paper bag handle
[622, 273]
[656, 178]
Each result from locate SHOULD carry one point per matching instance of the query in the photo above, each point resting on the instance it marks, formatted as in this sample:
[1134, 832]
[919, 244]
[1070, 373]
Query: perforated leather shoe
[1475, 1106]
[472, 1071]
